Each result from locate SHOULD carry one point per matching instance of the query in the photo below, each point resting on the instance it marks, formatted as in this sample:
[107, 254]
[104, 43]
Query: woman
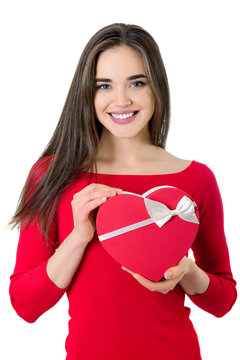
[111, 137]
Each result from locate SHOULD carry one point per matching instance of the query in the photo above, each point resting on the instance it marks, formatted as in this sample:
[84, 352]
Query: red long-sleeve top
[112, 316]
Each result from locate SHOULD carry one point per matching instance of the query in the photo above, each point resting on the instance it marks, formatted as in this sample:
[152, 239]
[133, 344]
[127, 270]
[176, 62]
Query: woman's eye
[138, 83]
[103, 86]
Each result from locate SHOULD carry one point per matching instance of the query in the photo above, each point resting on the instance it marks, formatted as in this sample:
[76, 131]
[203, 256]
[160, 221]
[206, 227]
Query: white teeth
[122, 116]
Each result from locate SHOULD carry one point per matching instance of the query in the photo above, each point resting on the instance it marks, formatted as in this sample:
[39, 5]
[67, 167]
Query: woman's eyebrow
[133, 77]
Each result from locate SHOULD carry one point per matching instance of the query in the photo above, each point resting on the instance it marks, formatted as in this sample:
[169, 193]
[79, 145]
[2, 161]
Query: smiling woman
[121, 114]
[121, 102]
[116, 120]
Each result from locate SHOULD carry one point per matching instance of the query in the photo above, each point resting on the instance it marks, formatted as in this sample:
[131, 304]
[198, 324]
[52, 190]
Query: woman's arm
[42, 273]
[62, 266]
[211, 251]
[31, 290]
[64, 263]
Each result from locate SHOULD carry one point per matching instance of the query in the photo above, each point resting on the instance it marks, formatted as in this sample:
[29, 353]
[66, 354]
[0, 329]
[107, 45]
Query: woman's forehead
[119, 61]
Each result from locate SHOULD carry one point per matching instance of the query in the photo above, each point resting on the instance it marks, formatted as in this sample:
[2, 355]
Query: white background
[41, 42]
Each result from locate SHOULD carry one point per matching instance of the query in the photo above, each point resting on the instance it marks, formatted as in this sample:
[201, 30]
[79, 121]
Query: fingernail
[103, 199]
[168, 275]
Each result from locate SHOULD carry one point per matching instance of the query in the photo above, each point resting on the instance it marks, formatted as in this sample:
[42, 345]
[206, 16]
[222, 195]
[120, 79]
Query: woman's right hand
[84, 208]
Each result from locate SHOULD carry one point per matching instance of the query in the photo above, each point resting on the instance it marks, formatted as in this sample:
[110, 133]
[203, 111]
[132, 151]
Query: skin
[117, 64]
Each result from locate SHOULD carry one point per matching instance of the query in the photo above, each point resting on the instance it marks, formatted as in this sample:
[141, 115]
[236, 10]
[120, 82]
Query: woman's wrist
[77, 239]
[63, 264]
[195, 281]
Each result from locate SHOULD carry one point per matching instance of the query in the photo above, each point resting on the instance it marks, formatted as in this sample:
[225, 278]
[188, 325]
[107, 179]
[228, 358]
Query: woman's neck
[128, 151]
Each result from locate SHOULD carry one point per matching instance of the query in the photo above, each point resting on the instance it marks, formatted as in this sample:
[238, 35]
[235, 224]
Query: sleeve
[31, 290]
[211, 252]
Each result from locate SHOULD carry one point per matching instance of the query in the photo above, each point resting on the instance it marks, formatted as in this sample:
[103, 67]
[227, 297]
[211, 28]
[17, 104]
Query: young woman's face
[124, 101]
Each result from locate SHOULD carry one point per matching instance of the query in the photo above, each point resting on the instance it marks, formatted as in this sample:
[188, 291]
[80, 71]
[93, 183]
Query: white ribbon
[160, 214]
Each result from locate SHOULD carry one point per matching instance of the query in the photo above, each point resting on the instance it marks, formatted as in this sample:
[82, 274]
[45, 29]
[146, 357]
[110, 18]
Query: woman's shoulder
[172, 163]
[42, 164]
[168, 163]
[43, 161]
[176, 163]
[38, 169]
[200, 175]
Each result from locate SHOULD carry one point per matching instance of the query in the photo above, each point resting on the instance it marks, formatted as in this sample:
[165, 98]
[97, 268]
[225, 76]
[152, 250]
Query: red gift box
[148, 233]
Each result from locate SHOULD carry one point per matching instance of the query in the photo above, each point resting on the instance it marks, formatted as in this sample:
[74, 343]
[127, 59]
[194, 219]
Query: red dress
[112, 316]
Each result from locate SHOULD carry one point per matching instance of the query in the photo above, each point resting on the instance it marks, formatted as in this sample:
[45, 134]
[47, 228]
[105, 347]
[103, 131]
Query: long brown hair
[74, 143]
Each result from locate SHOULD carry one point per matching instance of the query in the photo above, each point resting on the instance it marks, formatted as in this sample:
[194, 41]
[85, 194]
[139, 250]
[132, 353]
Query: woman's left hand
[172, 277]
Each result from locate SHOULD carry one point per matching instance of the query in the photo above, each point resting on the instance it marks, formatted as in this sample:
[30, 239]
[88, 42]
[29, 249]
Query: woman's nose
[121, 98]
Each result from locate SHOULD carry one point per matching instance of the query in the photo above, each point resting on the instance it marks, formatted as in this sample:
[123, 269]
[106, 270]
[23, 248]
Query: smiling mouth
[124, 116]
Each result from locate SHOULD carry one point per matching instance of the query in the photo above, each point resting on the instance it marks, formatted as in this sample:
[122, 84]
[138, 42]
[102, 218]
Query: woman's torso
[111, 314]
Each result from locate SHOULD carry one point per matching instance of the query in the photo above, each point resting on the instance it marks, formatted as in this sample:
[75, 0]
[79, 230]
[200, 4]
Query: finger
[100, 187]
[149, 284]
[129, 271]
[174, 272]
[166, 285]
[103, 189]
[95, 198]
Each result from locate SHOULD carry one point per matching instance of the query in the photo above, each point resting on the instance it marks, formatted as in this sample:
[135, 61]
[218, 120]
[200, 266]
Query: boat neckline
[175, 173]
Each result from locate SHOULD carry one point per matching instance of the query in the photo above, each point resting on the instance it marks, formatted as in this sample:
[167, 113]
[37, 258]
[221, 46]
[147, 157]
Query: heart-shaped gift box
[148, 233]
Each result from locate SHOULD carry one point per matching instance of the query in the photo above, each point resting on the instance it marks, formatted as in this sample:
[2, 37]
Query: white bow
[160, 213]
